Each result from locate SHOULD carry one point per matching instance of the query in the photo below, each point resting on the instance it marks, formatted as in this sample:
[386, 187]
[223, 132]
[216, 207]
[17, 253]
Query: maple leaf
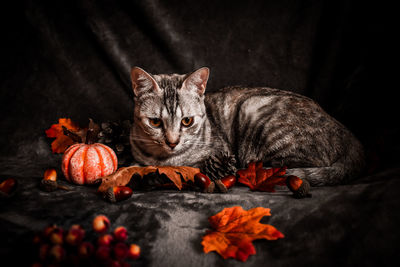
[62, 142]
[234, 229]
[260, 179]
[123, 175]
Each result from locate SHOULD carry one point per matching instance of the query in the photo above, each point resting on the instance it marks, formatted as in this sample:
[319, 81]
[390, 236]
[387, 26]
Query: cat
[176, 123]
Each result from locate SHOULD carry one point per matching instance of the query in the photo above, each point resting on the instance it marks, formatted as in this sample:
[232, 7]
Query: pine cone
[217, 167]
[116, 136]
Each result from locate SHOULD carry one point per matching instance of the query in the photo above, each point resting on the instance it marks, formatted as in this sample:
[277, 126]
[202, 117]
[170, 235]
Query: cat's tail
[344, 170]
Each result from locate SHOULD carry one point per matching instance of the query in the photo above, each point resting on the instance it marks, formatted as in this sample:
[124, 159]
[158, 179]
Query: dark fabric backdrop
[72, 59]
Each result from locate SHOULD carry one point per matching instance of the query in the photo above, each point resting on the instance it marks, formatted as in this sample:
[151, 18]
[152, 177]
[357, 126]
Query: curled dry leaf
[62, 142]
[68, 132]
[123, 175]
[234, 229]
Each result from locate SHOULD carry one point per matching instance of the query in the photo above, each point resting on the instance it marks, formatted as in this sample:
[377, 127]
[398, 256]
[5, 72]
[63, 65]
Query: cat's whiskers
[144, 140]
[199, 143]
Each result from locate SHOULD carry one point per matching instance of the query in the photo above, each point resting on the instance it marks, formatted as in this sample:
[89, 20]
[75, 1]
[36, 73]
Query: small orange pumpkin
[85, 163]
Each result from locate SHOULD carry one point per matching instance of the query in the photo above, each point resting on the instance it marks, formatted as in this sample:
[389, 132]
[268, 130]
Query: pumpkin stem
[72, 135]
[92, 132]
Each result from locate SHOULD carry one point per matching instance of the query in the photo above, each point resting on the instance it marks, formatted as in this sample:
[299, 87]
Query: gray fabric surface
[349, 225]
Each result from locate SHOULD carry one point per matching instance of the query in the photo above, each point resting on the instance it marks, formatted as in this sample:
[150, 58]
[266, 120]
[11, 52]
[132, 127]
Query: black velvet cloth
[73, 58]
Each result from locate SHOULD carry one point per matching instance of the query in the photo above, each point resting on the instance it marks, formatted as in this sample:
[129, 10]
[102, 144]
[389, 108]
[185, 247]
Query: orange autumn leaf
[62, 142]
[123, 175]
[234, 229]
[260, 179]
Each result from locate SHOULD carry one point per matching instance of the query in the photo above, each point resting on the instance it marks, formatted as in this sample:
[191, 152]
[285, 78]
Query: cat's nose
[172, 144]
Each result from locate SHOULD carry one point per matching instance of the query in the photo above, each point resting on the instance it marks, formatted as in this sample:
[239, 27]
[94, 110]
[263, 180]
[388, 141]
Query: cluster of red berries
[57, 247]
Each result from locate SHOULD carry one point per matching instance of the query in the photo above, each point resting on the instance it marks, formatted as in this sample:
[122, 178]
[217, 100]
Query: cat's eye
[187, 121]
[155, 122]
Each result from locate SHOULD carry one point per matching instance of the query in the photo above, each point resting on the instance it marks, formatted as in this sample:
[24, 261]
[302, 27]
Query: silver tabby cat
[176, 123]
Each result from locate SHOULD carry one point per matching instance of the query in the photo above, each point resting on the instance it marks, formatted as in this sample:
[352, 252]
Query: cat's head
[169, 110]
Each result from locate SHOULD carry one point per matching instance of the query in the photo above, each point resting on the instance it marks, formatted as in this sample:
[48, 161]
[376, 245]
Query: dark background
[72, 59]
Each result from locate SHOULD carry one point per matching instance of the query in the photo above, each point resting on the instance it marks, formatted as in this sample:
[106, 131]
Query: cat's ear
[197, 80]
[142, 81]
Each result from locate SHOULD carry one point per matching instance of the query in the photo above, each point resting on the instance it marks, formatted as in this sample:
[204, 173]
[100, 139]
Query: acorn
[299, 187]
[225, 183]
[48, 185]
[8, 188]
[50, 174]
[118, 193]
[49, 181]
[201, 180]
[229, 181]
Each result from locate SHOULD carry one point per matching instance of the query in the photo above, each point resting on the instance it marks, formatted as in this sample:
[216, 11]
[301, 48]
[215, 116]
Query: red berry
[48, 230]
[115, 264]
[120, 251]
[85, 249]
[105, 240]
[120, 233]
[75, 235]
[103, 253]
[57, 253]
[134, 251]
[37, 239]
[100, 224]
[43, 251]
[76, 227]
[56, 236]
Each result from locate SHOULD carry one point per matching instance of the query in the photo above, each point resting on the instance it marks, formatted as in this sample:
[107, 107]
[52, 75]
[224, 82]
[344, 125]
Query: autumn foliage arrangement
[232, 230]
[255, 177]
[113, 182]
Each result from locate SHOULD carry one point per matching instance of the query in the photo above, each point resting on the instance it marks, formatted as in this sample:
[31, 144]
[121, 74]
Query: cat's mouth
[171, 148]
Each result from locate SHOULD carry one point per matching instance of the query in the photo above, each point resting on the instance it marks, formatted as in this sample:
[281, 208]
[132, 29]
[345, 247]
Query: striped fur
[278, 127]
